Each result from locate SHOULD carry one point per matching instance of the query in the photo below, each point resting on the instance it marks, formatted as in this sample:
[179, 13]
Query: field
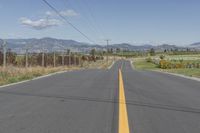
[142, 64]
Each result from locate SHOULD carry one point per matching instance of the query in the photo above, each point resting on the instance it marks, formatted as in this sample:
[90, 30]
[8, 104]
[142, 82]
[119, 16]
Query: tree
[92, 52]
[111, 50]
[68, 51]
[11, 57]
[118, 50]
[152, 52]
[162, 57]
[188, 50]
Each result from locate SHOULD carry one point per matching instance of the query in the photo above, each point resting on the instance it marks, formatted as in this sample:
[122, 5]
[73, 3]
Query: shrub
[148, 59]
[152, 52]
[162, 57]
[165, 64]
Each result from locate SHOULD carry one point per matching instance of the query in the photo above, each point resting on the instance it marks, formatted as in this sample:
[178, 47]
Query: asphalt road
[86, 101]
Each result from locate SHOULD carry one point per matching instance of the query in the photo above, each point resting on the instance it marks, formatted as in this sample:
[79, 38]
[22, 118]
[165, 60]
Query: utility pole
[79, 61]
[123, 53]
[43, 55]
[27, 48]
[4, 54]
[107, 43]
[75, 59]
[54, 59]
[114, 54]
[69, 58]
[63, 59]
[26, 57]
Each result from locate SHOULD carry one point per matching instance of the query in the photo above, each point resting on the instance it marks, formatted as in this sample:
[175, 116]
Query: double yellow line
[123, 126]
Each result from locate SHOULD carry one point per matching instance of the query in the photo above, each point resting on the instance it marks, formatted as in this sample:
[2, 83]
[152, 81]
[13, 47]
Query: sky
[122, 21]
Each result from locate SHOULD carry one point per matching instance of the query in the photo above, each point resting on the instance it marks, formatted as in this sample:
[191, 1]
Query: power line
[87, 15]
[94, 18]
[86, 20]
[66, 20]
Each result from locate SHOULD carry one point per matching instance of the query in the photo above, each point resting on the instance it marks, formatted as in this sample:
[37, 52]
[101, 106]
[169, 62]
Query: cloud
[66, 13]
[50, 21]
[40, 23]
[48, 13]
[69, 13]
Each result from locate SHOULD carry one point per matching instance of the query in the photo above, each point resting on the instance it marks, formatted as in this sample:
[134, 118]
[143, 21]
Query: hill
[52, 44]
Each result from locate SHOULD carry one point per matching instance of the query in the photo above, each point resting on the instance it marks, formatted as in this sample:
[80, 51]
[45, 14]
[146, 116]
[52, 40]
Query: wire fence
[45, 59]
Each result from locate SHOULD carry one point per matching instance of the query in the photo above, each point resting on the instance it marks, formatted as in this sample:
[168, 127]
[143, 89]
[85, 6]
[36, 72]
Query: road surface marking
[123, 126]
[111, 65]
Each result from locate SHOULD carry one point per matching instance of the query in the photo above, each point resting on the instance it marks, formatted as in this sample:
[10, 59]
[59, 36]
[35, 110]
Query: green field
[142, 64]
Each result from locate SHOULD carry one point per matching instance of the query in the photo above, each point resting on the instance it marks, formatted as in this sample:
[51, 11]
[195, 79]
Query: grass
[142, 64]
[194, 72]
[191, 57]
[100, 64]
[16, 74]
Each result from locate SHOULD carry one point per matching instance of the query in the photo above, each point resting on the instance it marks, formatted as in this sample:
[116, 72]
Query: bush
[148, 59]
[162, 57]
[152, 52]
[165, 64]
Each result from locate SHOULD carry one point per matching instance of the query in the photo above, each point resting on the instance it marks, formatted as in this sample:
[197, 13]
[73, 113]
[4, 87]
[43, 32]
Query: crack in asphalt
[103, 100]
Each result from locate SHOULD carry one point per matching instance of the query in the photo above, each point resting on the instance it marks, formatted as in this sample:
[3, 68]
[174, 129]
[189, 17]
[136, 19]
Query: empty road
[118, 100]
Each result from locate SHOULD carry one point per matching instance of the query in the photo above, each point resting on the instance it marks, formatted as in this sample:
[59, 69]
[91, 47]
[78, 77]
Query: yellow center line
[123, 126]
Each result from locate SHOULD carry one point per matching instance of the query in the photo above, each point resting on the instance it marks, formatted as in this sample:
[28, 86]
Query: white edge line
[131, 61]
[36, 78]
[179, 75]
[111, 65]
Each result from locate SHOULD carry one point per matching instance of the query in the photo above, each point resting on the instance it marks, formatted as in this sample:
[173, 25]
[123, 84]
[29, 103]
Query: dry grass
[100, 64]
[15, 74]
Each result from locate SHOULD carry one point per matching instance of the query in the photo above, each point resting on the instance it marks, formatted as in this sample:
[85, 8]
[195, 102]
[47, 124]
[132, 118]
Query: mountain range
[52, 44]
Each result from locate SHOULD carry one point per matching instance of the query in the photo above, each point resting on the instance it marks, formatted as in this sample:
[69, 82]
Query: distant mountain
[49, 44]
[130, 47]
[197, 44]
[52, 44]
[167, 47]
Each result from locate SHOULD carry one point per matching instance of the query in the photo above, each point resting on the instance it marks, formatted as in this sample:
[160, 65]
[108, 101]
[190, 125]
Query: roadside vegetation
[185, 63]
[15, 74]
[31, 65]
[100, 64]
[143, 64]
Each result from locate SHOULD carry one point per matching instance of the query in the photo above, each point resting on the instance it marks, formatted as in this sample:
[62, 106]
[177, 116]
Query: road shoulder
[178, 75]
[36, 78]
